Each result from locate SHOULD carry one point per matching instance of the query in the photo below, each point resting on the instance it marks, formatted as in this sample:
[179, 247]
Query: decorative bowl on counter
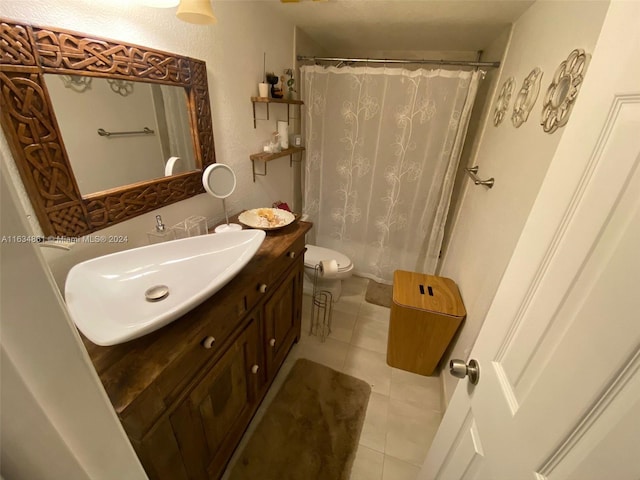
[266, 218]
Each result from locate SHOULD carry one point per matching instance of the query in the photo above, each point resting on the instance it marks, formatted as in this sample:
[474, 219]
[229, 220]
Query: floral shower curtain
[180, 143]
[382, 149]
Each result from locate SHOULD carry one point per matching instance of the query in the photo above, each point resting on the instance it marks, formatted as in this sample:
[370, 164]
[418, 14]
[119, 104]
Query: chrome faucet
[159, 225]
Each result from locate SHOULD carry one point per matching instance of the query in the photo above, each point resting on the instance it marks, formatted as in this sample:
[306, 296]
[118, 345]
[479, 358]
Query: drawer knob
[255, 369]
[272, 342]
[263, 288]
[208, 342]
[291, 254]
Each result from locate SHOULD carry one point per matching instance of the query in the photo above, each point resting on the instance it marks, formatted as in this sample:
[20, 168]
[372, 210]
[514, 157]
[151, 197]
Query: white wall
[233, 50]
[489, 222]
[27, 429]
[307, 47]
[57, 421]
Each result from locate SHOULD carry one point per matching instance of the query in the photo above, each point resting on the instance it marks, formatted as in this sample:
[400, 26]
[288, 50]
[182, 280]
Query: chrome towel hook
[473, 173]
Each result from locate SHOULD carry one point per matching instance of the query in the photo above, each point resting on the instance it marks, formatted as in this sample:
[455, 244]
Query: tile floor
[404, 408]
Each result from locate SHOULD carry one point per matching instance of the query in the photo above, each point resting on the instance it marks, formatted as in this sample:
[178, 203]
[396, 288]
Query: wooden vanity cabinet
[195, 440]
[184, 406]
[199, 434]
[282, 319]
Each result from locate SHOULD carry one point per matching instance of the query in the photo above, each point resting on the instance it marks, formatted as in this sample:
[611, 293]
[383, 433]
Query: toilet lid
[314, 255]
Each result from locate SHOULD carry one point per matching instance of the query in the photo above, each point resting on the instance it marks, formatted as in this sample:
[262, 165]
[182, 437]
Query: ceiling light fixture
[160, 3]
[196, 11]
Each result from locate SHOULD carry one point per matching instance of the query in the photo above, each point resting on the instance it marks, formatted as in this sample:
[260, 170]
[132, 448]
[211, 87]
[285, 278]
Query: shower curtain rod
[459, 63]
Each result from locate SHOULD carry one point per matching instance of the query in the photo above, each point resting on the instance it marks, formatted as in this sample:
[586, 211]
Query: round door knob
[255, 369]
[459, 369]
[263, 288]
[291, 254]
[208, 342]
[272, 342]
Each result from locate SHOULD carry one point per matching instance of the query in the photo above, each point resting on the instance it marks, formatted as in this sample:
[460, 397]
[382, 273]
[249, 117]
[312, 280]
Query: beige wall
[306, 46]
[489, 222]
[233, 50]
[494, 53]
[113, 161]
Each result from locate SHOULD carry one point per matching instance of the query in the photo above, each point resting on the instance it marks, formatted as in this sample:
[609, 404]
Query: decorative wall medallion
[121, 87]
[77, 83]
[502, 104]
[527, 97]
[563, 91]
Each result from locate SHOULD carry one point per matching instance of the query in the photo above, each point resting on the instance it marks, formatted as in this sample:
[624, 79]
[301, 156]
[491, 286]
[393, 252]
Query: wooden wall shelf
[267, 157]
[276, 100]
[267, 101]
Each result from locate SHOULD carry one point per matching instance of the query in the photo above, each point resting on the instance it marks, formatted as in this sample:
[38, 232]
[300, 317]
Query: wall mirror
[72, 192]
[132, 129]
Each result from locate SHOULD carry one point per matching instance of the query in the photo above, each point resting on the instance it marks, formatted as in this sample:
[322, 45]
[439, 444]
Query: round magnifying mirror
[219, 180]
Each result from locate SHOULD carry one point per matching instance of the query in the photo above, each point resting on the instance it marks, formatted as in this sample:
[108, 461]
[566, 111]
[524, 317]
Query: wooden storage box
[425, 314]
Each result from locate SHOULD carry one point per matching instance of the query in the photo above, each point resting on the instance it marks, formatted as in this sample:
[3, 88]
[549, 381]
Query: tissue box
[196, 225]
[190, 227]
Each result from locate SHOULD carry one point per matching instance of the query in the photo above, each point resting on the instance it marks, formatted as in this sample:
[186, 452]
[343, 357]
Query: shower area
[383, 146]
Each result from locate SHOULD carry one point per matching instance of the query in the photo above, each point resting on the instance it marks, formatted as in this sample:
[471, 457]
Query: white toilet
[331, 282]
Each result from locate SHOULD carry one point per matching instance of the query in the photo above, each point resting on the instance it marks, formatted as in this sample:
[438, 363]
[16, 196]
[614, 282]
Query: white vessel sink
[107, 296]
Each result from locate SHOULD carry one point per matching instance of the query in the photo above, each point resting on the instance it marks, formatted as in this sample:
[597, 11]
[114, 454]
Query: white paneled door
[559, 390]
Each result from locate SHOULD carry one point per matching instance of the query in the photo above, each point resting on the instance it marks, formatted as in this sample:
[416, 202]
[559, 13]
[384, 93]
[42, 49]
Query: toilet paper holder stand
[321, 308]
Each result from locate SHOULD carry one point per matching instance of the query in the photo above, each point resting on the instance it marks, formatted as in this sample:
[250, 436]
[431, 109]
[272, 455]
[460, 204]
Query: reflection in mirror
[220, 181]
[100, 161]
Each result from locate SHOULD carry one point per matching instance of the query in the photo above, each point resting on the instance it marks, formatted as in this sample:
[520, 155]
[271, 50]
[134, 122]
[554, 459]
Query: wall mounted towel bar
[473, 173]
[146, 131]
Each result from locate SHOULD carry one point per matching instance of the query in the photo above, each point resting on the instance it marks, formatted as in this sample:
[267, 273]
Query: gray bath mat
[379, 294]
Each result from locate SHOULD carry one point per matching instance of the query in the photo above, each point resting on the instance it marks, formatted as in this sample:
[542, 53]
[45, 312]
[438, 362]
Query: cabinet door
[282, 320]
[209, 423]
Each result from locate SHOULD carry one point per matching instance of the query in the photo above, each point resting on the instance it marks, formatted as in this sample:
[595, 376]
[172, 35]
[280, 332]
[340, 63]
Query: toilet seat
[314, 255]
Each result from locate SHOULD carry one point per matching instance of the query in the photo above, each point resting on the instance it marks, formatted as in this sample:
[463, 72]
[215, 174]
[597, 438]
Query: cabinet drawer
[208, 343]
[219, 319]
[281, 320]
[274, 275]
[207, 423]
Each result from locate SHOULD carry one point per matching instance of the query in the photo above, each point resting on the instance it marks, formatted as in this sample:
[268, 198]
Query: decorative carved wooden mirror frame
[27, 52]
